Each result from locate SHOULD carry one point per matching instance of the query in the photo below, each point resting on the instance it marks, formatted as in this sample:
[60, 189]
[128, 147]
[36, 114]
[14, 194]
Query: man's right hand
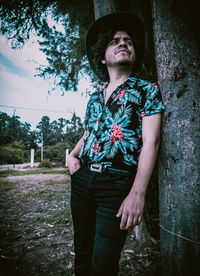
[73, 164]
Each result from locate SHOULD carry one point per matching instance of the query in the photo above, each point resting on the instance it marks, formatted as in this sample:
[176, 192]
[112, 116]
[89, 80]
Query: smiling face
[119, 51]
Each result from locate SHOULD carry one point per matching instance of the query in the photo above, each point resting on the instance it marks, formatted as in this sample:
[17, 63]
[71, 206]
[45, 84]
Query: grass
[29, 172]
[60, 217]
[6, 186]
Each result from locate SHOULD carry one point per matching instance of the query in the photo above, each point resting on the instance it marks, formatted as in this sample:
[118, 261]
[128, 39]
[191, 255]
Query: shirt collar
[129, 82]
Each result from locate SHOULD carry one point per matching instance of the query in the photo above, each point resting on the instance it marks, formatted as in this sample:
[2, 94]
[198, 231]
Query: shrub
[12, 153]
[46, 163]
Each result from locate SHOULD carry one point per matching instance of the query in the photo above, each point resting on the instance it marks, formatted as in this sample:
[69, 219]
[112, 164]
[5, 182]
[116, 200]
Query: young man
[112, 163]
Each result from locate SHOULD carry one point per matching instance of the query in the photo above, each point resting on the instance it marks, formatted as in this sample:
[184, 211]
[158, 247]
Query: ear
[103, 61]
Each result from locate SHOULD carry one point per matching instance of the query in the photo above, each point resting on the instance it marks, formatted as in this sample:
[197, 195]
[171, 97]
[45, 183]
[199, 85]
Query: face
[120, 50]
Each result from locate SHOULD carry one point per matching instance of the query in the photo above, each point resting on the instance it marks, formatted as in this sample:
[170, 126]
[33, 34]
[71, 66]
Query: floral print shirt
[114, 129]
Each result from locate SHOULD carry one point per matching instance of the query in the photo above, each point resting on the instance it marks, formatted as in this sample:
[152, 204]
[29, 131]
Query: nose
[122, 42]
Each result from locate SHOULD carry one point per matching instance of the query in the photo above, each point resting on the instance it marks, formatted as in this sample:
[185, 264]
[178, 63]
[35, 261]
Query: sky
[28, 95]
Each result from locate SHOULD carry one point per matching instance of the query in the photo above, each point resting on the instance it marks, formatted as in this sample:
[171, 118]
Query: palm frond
[129, 160]
[90, 141]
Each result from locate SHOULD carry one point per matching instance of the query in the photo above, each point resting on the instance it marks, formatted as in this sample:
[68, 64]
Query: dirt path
[36, 230]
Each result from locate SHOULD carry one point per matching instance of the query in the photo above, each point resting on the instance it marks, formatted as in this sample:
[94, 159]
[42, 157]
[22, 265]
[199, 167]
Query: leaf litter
[37, 236]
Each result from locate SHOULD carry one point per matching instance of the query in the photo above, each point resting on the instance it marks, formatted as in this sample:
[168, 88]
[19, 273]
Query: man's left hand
[131, 211]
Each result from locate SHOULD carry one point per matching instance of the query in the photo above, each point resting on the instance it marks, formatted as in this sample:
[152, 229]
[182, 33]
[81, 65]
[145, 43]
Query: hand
[131, 211]
[73, 164]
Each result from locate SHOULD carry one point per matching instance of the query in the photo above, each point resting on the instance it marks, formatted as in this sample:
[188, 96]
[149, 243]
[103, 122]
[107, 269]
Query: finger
[139, 219]
[77, 163]
[71, 169]
[120, 211]
[123, 221]
[77, 166]
[135, 221]
[74, 169]
[129, 222]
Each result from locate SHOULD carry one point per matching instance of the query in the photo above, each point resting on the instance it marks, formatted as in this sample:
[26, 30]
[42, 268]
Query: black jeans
[98, 240]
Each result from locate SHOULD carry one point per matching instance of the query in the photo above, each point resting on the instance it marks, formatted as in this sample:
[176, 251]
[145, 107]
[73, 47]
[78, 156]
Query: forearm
[132, 207]
[73, 162]
[146, 164]
[76, 150]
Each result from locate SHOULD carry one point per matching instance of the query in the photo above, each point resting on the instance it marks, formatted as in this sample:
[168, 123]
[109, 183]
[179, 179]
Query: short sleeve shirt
[114, 129]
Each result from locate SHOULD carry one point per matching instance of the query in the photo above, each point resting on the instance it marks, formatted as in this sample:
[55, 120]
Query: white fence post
[66, 156]
[32, 158]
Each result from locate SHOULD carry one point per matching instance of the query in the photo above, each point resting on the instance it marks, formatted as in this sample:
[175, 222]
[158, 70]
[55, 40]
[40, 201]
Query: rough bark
[178, 68]
[105, 7]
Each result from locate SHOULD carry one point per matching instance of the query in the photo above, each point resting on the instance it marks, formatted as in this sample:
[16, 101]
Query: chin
[126, 62]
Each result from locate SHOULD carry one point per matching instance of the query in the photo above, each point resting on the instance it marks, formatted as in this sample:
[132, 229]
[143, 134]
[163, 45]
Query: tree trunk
[105, 7]
[178, 68]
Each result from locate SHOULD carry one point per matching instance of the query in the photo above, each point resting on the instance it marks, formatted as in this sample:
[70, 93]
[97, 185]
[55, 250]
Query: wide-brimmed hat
[117, 21]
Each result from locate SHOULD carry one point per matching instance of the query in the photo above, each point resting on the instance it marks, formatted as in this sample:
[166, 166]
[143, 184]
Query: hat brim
[117, 21]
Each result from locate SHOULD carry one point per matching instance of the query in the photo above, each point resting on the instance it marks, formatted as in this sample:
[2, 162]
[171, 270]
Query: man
[112, 163]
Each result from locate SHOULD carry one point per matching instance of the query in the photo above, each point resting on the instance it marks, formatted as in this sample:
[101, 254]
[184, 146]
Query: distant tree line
[17, 138]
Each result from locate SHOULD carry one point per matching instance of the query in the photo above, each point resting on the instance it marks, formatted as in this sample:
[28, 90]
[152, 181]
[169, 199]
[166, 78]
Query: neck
[117, 77]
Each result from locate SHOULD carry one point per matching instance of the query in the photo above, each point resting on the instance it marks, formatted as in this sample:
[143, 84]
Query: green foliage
[61, 131]
[56, 153]
[12, 153]
[65, 50]
[11, 130]
[46, 163]
[16, 138]
[65, 60]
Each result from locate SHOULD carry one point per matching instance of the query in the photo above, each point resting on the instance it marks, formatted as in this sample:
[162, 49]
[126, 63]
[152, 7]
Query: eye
[129, 42]
[113, 42]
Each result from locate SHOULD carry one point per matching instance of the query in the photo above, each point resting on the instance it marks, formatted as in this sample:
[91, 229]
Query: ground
[36, 230]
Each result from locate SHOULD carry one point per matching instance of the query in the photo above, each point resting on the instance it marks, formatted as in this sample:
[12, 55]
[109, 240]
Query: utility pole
[66, 156]
[32, 158]
[42, 147]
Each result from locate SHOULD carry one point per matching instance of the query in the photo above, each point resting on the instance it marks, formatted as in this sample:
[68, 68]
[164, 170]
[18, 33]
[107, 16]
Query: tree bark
[105, 7]
[178, 67]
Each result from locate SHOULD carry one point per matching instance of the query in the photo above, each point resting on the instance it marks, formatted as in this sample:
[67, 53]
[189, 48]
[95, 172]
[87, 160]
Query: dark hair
[99, 49]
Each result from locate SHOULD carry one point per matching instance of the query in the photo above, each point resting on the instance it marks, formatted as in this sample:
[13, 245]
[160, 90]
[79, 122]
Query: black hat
[117, 21]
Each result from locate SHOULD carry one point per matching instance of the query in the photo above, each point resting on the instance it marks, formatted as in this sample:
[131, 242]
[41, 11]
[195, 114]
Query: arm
[73, 162]
[132, 207]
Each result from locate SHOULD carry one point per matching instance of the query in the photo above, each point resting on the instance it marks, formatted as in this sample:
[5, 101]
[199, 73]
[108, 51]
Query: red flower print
[96, 147]
[116, 134]
[103, 86]
[155, 84]
[144, 113]
[121, 94]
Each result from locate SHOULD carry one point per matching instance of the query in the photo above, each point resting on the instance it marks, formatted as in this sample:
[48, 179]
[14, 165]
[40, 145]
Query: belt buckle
[96, 168]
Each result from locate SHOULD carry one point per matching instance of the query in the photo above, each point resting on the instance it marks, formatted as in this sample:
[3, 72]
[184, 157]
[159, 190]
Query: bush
[55, 153]
[12, 153]
[46, 163]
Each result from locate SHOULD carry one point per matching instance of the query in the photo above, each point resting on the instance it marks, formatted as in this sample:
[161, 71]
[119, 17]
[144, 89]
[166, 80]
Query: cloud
[27, 58]
[12, 67]
[20, 88]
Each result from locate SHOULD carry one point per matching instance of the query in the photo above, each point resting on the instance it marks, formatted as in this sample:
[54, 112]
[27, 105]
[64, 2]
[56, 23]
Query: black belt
[95, 167]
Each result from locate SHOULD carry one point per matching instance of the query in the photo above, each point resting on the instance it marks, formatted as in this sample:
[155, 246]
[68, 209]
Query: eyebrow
[118, 37]
[127, 38]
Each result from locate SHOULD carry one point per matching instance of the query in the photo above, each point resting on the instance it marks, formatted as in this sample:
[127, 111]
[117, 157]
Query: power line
[33, 109]
[179, 236]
